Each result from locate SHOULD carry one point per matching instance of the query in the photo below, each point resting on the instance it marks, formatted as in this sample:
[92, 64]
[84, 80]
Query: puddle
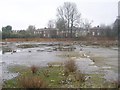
[8, 75]
[86, 65]
[110, 75]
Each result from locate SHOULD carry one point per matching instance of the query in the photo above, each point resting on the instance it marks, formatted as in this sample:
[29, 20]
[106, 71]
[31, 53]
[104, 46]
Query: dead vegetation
[31, 82]
[27, 46]
[102, 41]
[34, 69]
[70, 66]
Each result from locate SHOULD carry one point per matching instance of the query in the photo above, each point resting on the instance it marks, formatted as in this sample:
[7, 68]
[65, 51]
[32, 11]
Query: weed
[70, 66]
[31, 82]
[34, 69]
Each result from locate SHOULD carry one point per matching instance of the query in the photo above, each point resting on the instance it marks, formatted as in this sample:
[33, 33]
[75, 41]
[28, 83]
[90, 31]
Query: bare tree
[86, 24]
[107, 30]
[61, 24]
[51, 24]
[31, 29]
[69, 13]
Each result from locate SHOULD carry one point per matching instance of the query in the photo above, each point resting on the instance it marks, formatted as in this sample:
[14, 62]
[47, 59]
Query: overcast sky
[21, 13]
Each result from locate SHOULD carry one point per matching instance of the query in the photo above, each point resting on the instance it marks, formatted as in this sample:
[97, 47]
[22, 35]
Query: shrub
[34, 69]
[70, 66]
[31, 82]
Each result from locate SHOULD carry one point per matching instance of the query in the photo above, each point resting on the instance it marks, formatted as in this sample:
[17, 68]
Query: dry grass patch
[31, 82]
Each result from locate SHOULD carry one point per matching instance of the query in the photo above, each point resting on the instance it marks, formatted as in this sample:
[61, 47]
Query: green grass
[55, 78]
[56, 75]
[11, 84]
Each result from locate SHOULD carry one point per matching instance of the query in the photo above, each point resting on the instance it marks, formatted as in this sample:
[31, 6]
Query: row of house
[56, 33]
[77, 32]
